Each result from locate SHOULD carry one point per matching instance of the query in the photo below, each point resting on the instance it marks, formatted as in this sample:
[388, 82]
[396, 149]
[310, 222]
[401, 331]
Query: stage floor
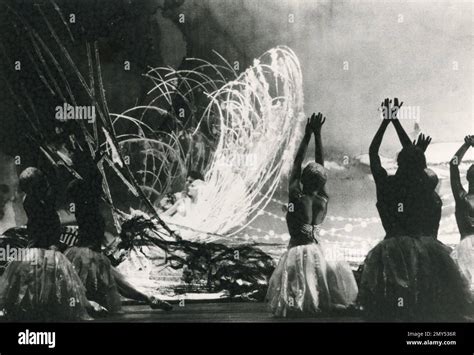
[216, 312]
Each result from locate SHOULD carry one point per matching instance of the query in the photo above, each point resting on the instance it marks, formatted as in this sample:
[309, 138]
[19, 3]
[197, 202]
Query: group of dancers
[409, 275]
[79, 283]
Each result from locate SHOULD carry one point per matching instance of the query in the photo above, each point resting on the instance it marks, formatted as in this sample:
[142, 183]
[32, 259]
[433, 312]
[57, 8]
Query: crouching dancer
[41, 283]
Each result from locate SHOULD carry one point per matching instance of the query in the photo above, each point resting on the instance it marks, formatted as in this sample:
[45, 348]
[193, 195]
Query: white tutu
[306, 282]
[42, 285]
[463, 255]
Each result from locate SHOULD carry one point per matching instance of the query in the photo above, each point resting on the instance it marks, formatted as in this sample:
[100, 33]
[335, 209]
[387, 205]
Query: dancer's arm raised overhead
[316, 125]
[422, 142]
[378, 171]
[391, 113]
[300, 154]
[456, 185]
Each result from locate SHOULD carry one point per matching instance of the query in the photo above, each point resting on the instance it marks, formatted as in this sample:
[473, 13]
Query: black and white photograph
[294, 162]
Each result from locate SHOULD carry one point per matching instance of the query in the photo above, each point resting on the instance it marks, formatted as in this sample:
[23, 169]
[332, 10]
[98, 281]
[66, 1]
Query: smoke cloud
[356, 53]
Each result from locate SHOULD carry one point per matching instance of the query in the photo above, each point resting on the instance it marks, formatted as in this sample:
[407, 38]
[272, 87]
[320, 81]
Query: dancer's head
[191, 177]
[314, 177]
[432, 179]
[470, 177]
[411, 160]
[33, 182]
[194, 187]
[194, 175]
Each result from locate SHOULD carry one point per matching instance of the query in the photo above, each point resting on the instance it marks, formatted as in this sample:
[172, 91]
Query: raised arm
[456, 185]
[375, 164]
[300, 154]
[316, 125]
[393, 110]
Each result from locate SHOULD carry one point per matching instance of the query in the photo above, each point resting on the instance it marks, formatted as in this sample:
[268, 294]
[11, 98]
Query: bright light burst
[256, 117]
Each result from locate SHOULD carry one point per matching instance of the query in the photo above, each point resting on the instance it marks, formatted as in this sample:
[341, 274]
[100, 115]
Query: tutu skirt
[42, 285]
[306, 283]
[95, 271]
[463, 255]
[412, 279]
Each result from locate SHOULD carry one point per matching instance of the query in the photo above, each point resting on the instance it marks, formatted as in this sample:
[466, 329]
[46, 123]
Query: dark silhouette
[464, 199]
[43, 224]
[39, 283]
[85, 193]
[411, 188]
[102, 281]
[409, 275]
[463, 254]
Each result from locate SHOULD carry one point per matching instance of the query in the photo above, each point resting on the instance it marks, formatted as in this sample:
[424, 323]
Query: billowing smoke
[354, 54]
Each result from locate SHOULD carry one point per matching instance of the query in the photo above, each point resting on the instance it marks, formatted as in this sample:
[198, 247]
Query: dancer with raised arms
[464, 252]
[409, 275]
[307, 280]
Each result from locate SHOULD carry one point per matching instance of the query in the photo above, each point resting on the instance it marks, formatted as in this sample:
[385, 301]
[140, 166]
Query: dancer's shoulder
[295, 193]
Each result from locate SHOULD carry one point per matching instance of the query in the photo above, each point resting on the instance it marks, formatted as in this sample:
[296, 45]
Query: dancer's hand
[469, 140]
[423, 142]
[308, 129]
[389, 111]
[315, 123]
[318, 122]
